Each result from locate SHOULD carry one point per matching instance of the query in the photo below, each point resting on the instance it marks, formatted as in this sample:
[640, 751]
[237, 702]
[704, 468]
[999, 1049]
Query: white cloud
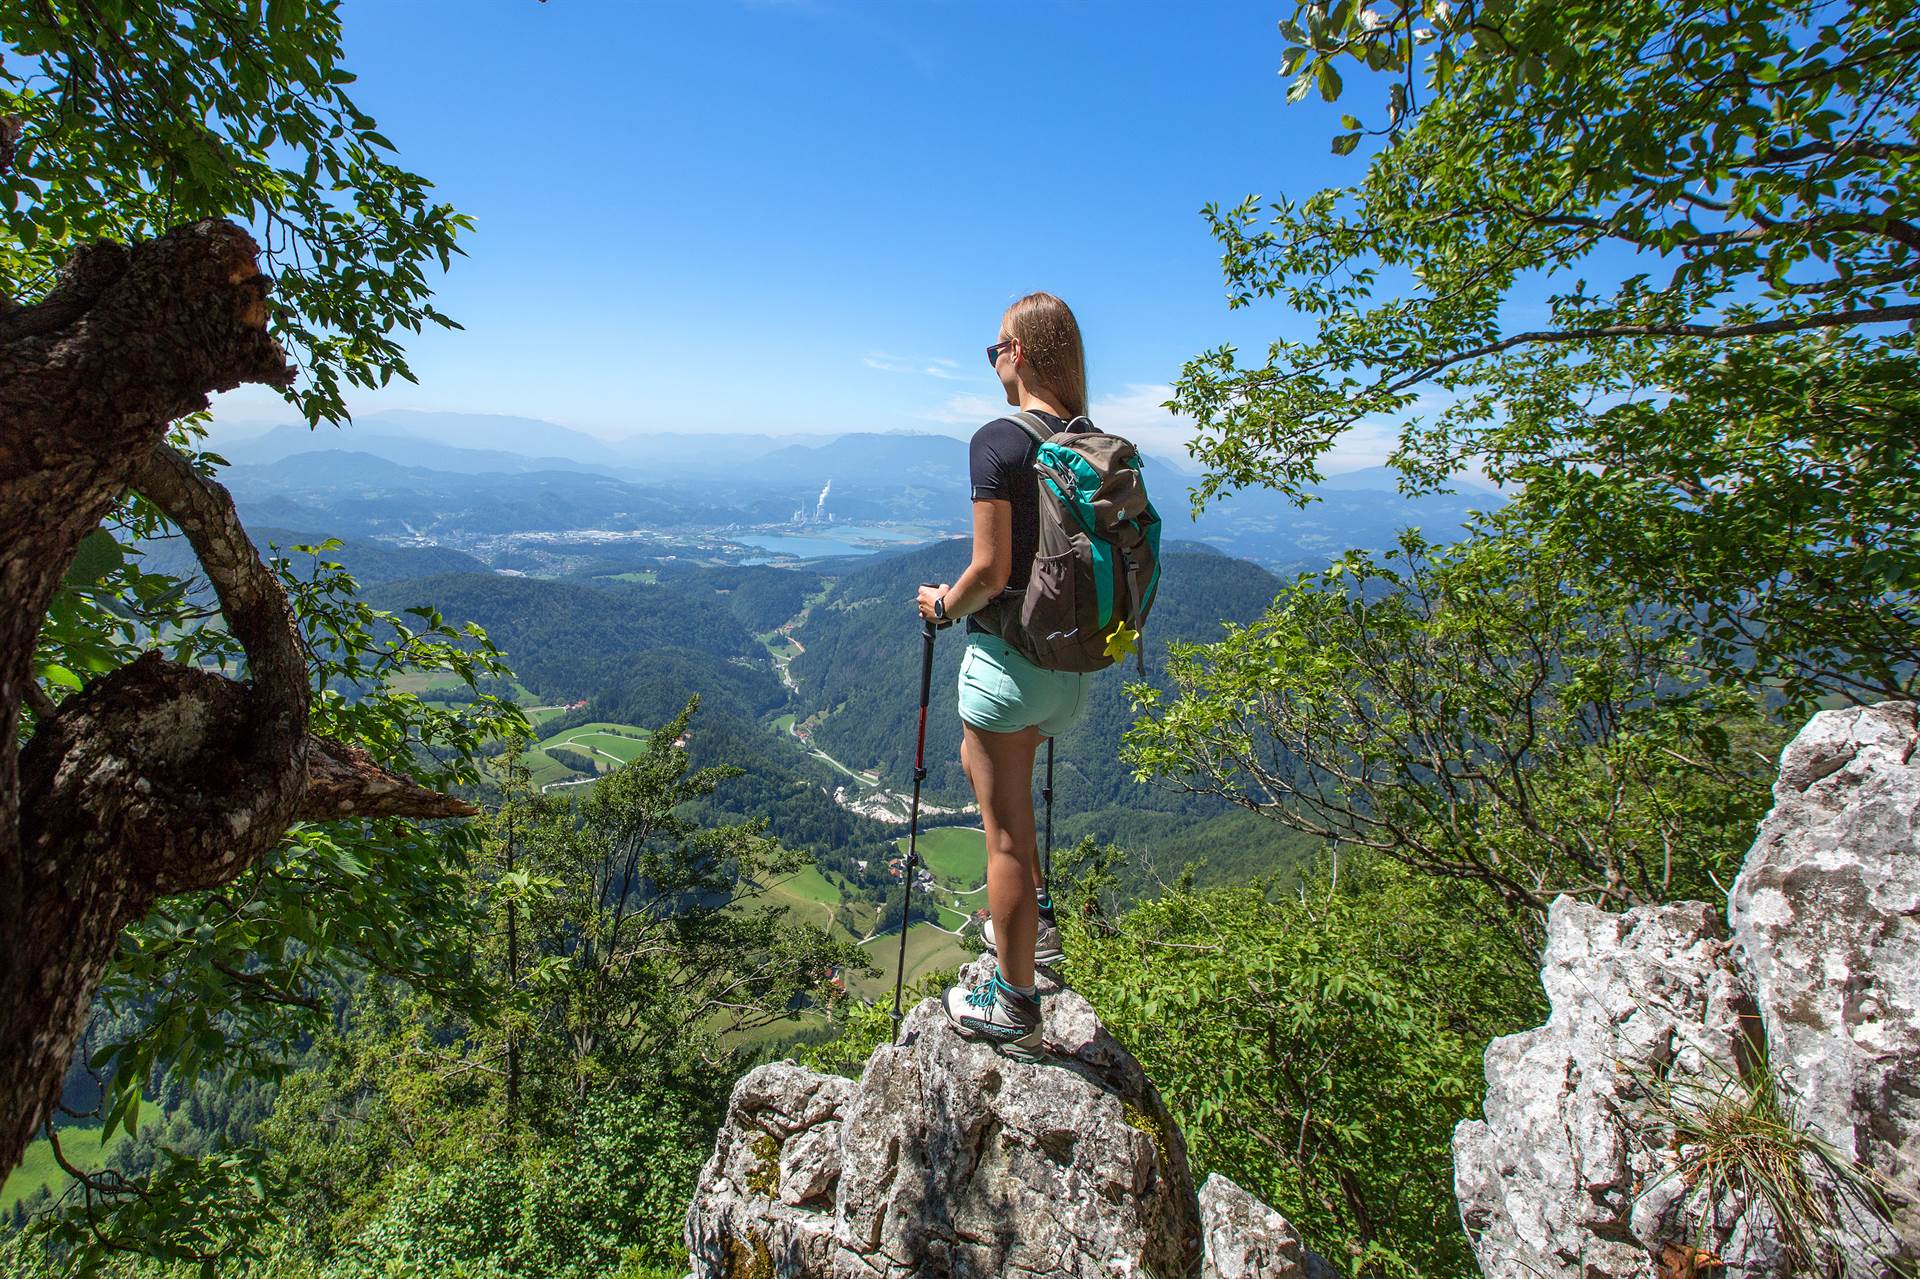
[1362, 445]
[931, 366]
[1135, 412]
[966, 410]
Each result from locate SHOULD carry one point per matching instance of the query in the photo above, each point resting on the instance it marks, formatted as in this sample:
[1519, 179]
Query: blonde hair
[1049, 338]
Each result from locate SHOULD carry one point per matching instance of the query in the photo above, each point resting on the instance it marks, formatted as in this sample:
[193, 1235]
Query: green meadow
[957, 856]
[79, 1143]
[810, 895]
[608, 745]
[928, 949]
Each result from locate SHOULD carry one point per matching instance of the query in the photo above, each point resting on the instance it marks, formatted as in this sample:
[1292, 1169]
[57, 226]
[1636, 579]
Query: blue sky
[807, 215]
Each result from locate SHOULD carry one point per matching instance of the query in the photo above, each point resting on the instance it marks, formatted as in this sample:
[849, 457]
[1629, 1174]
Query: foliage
[1744, 175]
[139, 115]
[394, 1085]
[648, 937]
[1317, 1046]
[616, 1194]
[1487, 712]
[232, 981]
[606, 1200]
[1769, 498]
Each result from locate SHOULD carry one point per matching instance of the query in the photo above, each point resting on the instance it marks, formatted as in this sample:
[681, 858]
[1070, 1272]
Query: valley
[770, 578]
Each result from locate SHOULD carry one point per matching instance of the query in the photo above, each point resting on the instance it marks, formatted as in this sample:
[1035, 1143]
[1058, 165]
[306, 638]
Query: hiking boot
[995, 1013]
[1047, 951]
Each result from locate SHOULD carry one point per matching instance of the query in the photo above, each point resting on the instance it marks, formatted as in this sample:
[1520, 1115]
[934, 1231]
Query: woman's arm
[992, 563]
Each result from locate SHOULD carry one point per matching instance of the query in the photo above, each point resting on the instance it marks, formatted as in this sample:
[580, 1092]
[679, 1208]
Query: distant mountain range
[455, 479]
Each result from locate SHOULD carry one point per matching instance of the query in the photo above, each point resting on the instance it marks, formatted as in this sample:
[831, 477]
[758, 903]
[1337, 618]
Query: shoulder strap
[1033, 426]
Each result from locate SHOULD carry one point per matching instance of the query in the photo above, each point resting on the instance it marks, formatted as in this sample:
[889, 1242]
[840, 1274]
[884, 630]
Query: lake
[832, 539]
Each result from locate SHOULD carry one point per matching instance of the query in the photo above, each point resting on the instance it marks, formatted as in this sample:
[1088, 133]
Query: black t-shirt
[1000, 461]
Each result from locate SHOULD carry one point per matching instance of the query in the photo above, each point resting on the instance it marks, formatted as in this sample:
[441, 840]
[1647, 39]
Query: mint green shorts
[1002, 692]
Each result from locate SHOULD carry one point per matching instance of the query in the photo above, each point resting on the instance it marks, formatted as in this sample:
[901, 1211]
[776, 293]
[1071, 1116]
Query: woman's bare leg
[1000, 766]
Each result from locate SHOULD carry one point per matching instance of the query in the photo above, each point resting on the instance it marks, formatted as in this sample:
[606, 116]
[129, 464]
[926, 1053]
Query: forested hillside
[370, 562]
[572, 640]
[761, 597]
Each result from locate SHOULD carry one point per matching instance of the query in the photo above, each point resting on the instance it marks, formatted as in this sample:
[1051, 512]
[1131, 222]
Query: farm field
[417, 682]
[928, 949]
[957, 855]
[606, 744]
[809, 894]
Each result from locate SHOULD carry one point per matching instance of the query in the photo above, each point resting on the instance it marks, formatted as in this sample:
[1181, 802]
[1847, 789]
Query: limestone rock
[1566, 1175]
[1572, 1173]
[765, 1203]
[1245, 1239]
[1826, 913]
[948, 1158]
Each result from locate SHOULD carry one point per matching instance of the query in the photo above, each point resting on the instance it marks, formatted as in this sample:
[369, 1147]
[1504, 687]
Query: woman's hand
[928, 594]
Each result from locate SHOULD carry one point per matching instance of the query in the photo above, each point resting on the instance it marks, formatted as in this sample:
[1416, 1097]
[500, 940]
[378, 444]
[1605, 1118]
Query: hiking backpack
[1096, 560]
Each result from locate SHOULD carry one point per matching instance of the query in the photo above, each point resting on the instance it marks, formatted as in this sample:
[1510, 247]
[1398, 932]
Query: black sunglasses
[993, 352]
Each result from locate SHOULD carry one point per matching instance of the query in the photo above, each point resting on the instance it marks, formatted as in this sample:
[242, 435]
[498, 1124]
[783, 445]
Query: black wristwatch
[940, 608]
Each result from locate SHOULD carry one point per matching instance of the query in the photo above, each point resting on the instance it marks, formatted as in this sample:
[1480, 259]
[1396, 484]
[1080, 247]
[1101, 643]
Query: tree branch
[1756, 328]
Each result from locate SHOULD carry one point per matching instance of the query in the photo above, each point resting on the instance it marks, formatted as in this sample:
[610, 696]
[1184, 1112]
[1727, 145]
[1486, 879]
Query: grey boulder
[1567, 1174]
[1826, 913]
[948, 1158]
[1584, 1166]
[1245, 1239]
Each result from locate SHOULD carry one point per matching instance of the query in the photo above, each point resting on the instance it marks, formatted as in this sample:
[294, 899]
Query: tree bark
[157, 778]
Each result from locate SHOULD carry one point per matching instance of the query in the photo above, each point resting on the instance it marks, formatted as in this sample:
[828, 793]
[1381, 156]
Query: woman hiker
[1007, 704]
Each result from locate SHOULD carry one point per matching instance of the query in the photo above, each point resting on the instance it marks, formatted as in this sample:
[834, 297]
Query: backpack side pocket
[1047, 611]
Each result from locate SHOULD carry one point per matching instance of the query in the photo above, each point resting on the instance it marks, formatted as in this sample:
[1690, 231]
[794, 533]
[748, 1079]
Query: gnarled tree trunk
[157, 778]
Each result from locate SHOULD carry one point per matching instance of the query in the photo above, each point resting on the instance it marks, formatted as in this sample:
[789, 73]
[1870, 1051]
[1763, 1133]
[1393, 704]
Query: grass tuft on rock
[1736, 1138]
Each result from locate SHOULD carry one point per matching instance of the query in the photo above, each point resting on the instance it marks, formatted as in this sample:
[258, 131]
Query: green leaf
[98, 554]
[60, 676]
[1329, 80]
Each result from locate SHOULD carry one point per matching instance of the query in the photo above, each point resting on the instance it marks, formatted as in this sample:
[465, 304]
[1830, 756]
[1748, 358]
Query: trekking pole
[913, 818]
[1046, 860]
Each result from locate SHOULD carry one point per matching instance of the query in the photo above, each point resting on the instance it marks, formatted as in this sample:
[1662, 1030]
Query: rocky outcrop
[947, 1158]
[1826, 914]
[767, 1195]
[1567, 1174]
[1245, 1239]
[1659, 1012]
